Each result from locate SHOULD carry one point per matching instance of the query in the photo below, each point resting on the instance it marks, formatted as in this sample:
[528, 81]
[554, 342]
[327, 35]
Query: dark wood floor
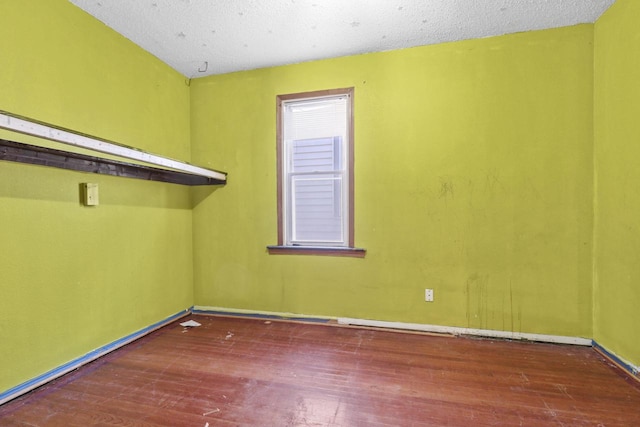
[252, 372]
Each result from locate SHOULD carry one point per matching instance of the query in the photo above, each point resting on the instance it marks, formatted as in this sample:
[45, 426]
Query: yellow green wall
[75, 278]
[617, 199]
[473, 177]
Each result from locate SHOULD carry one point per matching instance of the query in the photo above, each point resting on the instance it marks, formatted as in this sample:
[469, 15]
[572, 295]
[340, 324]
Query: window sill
[317, 250]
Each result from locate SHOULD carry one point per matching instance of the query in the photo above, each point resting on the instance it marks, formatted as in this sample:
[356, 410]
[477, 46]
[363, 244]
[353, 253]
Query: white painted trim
[405, 326]
[41, 130]
[466, 331]
[203, 309]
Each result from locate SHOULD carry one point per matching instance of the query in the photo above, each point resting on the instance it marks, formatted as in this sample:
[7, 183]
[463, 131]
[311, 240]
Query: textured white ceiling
[204, 37]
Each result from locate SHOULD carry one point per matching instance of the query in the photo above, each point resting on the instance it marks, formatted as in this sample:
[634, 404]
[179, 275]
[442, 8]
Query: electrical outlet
[428, 295]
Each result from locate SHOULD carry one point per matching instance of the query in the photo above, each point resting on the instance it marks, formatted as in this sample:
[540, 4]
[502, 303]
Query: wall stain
[477, 300]
[493, 182]
[446, 188]
[511, 302]
[534, 189]
[471, 189]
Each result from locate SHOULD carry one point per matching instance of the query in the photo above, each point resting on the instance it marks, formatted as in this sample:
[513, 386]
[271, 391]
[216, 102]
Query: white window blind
[315, 175]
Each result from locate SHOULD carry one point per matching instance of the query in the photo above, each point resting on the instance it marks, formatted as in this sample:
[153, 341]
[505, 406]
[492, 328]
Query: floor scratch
[563, 390]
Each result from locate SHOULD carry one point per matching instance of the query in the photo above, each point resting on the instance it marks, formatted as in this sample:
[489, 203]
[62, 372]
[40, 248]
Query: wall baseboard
[488, 333]
[223, 311]
[40, 380]
[619, 361]
[420, 327]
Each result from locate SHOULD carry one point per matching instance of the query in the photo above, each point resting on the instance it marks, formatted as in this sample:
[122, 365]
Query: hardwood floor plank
[250, 372]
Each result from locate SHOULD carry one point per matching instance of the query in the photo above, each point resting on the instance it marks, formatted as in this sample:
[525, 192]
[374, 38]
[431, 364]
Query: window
[315, 173]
